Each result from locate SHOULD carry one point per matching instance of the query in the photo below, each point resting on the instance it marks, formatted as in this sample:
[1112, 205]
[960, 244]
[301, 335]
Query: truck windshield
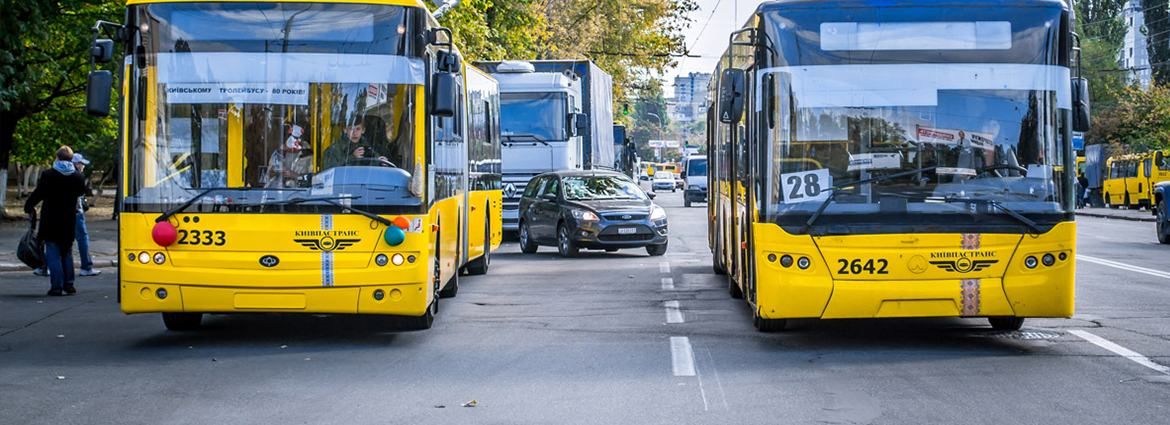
[983, 112]
[527, 115]
[274, 101]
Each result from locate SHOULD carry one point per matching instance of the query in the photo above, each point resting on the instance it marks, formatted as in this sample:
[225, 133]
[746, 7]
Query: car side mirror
[683, 175]
[97, 93]
[731, 96]
[549, 197]
[1081, 107]
[443, 95]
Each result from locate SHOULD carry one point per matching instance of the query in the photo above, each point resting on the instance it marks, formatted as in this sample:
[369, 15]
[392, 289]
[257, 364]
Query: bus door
[1145, 179]
[1133, 185]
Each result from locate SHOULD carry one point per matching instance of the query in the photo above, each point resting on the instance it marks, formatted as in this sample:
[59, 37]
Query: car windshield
[586, 188]
[697, 167]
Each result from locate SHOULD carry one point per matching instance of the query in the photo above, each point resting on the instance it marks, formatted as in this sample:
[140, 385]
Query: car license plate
[627, 230]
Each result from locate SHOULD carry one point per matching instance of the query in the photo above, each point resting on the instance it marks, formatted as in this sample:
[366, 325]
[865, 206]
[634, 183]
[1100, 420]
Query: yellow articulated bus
[861, 166]
[1130, 179]
[298, 157]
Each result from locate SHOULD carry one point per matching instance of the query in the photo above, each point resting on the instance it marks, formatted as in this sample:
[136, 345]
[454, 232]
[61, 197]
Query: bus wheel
[565, 244]
[425, 321]
[1160, 212]
[182, 321]
[527, 245]
[733, 288]
[1006, 323]
[451, 289]
[770, 325]
[479, 266]
[1108, 202]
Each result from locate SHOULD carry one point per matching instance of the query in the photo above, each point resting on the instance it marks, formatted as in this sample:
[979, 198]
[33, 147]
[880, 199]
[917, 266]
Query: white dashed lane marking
[673, 312]
[667, 284]
[1121, 351]
[682, 357]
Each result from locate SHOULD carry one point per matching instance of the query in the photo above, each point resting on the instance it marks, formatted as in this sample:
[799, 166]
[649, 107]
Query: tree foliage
[43, 64]
[1140, 121]
[1157, 30]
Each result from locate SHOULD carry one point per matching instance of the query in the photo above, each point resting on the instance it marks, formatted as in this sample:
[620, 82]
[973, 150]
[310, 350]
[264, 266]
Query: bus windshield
[932, 110]
[267, 102]
[529, 117]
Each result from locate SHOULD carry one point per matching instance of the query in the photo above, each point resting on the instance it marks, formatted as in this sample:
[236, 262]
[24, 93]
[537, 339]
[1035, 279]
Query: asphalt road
[599, 340]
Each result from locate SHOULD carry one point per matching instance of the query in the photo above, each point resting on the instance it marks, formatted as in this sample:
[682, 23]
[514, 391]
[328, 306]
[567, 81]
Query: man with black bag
[57, 191]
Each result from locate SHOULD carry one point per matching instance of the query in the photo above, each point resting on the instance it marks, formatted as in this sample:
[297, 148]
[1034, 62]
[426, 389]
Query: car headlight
[657, 212]
[584, 215]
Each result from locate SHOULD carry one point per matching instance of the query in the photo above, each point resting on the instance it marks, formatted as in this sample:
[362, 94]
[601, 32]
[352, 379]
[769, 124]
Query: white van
[695, 175]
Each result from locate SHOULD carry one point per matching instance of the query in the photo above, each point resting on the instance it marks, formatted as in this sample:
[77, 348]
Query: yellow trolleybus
[901, 159]
[298, 157]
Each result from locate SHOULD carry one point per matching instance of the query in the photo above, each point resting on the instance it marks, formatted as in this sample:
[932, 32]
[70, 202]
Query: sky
[720, 17]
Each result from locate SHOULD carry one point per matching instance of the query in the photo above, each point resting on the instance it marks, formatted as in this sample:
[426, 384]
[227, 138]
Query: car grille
[610, 234]
[624, 217]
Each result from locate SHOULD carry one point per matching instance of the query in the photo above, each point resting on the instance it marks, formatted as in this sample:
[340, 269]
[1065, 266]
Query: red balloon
[164, 233]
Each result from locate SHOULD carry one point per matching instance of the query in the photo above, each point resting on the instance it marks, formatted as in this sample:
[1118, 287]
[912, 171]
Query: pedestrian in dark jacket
[57, 191]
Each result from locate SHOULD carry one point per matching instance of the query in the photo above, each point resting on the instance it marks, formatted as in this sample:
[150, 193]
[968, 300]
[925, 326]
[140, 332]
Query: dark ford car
[576, 210]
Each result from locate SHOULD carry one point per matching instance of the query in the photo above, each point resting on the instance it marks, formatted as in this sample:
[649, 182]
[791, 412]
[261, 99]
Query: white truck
[554, 115]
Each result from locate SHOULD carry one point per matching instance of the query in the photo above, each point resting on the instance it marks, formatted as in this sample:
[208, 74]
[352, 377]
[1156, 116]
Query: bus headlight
[1048, 260]
[786, 260]
[381, 260]
[397, 259]
[657, 212]
[804, 263]
[1030, 262]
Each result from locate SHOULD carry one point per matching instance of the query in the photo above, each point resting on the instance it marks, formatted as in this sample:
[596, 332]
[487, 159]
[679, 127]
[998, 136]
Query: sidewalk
[103, 243]
[1118, 214]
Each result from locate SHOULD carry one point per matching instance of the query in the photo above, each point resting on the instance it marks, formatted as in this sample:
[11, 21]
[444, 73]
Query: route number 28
[806, 186]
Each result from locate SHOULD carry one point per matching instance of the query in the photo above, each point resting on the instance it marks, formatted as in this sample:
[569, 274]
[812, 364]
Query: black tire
[527, 245]
[1108, 203]
[423, 322]
[1160, 212]
[479, 266]
[452, 288]
[733, 289]
[656, 250]
[672, 190]
[770, 325]
[180, 322]
[686, 202]
[1006, 323]
[565, 245]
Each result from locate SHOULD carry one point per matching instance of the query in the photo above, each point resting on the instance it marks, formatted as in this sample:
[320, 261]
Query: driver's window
[554, 187]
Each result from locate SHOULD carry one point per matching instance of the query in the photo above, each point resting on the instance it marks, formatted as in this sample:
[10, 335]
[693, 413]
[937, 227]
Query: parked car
[576, 210]
[1162, 211]
[663, 181]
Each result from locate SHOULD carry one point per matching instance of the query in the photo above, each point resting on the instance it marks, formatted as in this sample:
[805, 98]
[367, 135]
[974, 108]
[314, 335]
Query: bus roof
[780, 4]
[414, 3]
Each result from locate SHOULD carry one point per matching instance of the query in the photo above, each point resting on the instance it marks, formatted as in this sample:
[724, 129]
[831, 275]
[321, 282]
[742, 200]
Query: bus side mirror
[102, 50]
[1080, 104]
[443, 95]
[97, 93]
[731, 96]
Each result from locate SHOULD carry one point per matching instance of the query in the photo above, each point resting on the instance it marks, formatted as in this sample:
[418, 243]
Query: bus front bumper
[399, 299]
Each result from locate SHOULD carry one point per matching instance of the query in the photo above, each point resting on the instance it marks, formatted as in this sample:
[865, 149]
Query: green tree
[43, 64]
[1139, 122]
[1157, 30]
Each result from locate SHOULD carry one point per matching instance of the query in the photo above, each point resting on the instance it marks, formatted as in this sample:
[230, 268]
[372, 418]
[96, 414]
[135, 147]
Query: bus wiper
[511, 138]
[167, 214]
[993, 204]
[332, 200]
[835, 189]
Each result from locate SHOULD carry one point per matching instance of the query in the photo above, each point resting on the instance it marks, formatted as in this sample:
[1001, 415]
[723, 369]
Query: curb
[1149, 219]
[98, 263]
